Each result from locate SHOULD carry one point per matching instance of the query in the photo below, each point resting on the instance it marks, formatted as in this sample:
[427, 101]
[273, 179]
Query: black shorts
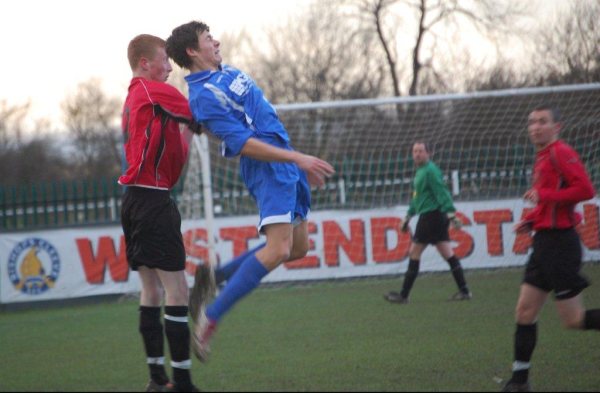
[152, 227]
[555, 263]
[432, 228]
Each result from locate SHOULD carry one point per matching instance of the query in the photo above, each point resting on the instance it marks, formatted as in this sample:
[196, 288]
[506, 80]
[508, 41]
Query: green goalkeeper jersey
[429, 191]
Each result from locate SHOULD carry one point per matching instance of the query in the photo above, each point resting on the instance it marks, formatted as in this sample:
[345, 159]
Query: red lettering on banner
[94, 266]
[523, 241]
[493, 220]
[239, 236]
[381, 250]
[190, 242]
[465, 245]
[334, 237]
[193, 249]
[589, 228]
[309, 261]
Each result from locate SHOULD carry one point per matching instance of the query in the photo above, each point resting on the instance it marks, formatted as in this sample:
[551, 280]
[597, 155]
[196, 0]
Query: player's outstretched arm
[317, 170]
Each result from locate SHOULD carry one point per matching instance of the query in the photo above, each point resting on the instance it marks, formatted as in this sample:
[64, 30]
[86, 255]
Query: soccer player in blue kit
[233, 108]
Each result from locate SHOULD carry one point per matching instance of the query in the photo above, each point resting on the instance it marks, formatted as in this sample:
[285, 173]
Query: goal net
[479, 141]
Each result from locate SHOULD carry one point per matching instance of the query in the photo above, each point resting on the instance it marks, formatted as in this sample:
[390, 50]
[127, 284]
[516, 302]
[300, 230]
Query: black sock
[410, 276]
[592, 319]
[152, 333]
[525, 340]
[457, 273]
[178, 336]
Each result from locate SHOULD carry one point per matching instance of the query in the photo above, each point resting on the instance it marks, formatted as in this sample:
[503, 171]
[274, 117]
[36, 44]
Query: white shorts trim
[282, 219]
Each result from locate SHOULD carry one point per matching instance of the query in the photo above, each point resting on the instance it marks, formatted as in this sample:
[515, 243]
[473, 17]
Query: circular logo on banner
[33, 266]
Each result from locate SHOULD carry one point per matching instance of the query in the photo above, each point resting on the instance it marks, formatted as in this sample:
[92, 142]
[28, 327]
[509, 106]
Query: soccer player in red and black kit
[156, 151]
[559, 183]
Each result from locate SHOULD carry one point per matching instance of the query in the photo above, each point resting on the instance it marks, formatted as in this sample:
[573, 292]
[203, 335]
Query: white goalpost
[198, 178]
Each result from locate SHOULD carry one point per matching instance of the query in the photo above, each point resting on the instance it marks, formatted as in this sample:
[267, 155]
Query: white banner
[70, 263]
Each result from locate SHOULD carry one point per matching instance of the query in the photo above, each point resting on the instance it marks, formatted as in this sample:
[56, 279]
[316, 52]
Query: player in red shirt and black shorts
[560, 182]
[157, 125]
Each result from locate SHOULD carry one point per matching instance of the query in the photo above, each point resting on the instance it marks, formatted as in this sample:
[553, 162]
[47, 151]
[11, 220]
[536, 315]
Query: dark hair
[182, 38]
[556, 116]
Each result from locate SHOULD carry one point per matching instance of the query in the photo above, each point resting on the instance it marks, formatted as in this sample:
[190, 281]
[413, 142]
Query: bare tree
[91, 119]
[318, 55]
[568, 53]
[430, 21]
[27, 155]
[11, 123]
[500, 76]
[38, 159]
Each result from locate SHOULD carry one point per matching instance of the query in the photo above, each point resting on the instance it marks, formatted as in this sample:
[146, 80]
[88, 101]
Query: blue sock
[225, 272]
[246, 279]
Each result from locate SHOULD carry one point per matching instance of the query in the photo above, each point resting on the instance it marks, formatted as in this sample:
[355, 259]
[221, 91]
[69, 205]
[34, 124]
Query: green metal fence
[59, 203]
[63, 203]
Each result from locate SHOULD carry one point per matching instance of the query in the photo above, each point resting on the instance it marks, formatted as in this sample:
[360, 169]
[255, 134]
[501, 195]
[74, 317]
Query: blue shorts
[281, 190]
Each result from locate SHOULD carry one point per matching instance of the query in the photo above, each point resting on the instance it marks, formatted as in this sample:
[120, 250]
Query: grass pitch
[327, 336]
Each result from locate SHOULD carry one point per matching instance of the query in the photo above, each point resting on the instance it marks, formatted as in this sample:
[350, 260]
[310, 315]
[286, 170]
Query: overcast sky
[49, 46]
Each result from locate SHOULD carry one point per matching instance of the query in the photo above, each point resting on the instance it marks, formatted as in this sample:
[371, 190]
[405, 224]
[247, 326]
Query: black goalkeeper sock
[457, 273]
[410, 276]
[592, 319]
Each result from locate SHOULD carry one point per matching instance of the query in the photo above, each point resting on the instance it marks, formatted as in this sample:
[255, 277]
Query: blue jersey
[234, 109]
[230, 104]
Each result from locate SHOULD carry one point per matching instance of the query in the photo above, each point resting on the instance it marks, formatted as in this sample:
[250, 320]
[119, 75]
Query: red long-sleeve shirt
[561, 181]
[155, 148]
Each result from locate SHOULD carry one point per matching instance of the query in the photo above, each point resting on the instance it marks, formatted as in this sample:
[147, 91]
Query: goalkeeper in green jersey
[433, 203]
